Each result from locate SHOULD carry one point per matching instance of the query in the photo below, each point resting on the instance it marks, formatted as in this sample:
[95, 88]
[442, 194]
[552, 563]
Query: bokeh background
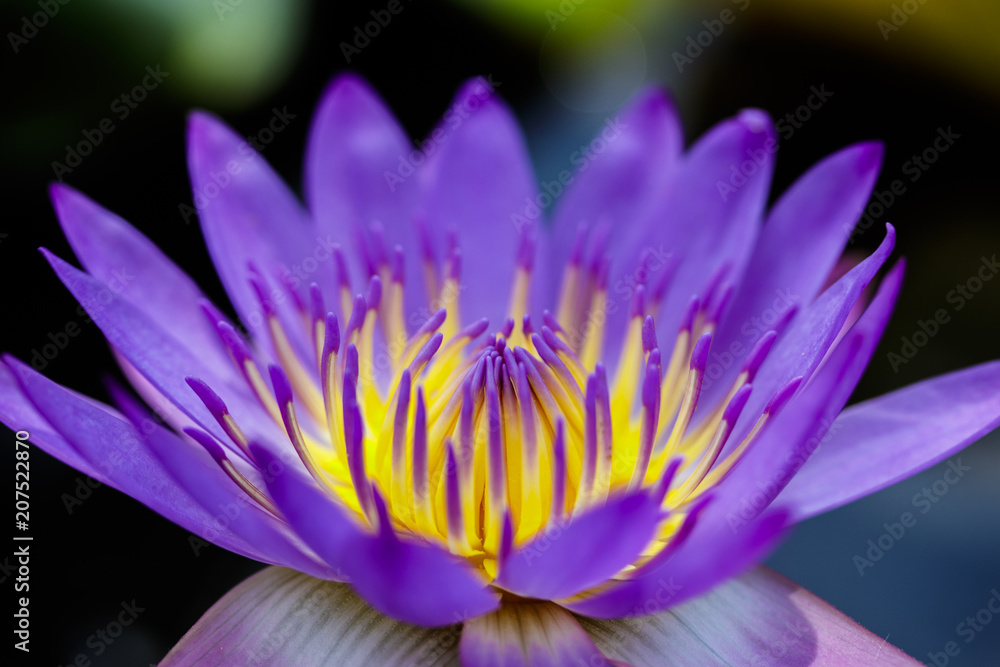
[900, 72]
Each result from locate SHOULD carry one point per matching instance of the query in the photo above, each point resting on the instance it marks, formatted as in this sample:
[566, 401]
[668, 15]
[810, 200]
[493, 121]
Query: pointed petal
[115, 253]
[353, 164]
[163, 361]
[799, 245]
[283, 617]
[887, 439]
[800, 351]
[247, 214]
[759, 618]
[712, 553]
[17, 412]
[589, 550]
[535, 633]
[711, 214]
[413, 582]
[117, 454]
[478, 180]
[641, 150]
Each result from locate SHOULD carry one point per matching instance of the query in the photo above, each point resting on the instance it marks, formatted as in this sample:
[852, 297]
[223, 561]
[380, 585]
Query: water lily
[456, 432]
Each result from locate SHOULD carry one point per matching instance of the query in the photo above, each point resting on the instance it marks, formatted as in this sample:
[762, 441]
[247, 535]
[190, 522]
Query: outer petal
[761, 618]
[710, 555]
[803, 347]
[618, 186]
[535, 633]
[17, 412]
[248, 215]
[118, 455]
[119, 256]
[353, 164]
[283, 617]
[588, 551]
[416, 583]
[798, 247]
[886, 439]
[708, 222]
[478, 180]
[158, 356]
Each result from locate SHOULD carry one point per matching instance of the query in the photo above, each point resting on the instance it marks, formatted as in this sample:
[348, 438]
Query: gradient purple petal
[567, 559]
[797, 249]
[115, 253]
[759, 618]
[887, 439]
[413, 582]
[477, 181]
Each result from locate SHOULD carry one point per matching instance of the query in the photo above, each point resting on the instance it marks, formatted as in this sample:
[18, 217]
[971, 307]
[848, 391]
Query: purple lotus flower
[504, 435]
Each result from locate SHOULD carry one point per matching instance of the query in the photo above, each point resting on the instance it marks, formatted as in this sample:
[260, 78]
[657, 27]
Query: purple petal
[797, 249]
[359, 170]
[115, 253]
[588, 550]
[282, 617]
[248, 215]
[539, 634]
[642, 147]
[709, 217]
[117, 454]
[711, 554]
[479, 178]
[804, 345]
[158, 356]
[887, 439]
[758, 618]
[415, 583]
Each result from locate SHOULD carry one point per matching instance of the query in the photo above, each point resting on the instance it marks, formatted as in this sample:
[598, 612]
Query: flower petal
[798, 247]
[353, 175]
[712, 553]
[413, 582]
[163, 361]
[710, 224]
[535, 633]
[760, 618]
[565, 560]
[283, 617]
[117, 455]
[115, 253]
[889, 438]
[480, 177]
[642, 148]
[17, 412]
[248, 216]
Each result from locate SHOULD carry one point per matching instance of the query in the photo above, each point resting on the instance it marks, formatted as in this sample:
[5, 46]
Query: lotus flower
[460, 433]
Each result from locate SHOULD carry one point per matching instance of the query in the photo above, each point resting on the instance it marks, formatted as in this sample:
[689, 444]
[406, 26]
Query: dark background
[938, 70]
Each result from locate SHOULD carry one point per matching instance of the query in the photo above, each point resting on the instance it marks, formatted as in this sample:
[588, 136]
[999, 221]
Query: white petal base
[759, 618]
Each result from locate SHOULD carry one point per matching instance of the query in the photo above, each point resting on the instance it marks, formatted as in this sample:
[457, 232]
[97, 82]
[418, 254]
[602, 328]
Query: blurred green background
[896, 71]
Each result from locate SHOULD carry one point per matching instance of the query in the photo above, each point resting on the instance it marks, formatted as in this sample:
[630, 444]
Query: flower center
[477, 445]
